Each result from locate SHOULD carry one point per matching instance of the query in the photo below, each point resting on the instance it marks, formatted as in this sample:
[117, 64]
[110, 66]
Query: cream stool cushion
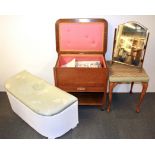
[124, 73]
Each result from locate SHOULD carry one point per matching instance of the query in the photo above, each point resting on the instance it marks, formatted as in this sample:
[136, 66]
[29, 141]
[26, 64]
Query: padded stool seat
[119, 73]
[124, 73]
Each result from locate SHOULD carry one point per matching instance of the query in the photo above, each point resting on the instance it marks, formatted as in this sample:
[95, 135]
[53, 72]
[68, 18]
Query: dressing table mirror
[130, 43]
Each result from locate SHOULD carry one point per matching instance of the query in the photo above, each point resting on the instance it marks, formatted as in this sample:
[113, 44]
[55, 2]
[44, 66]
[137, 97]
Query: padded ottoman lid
[38, 95]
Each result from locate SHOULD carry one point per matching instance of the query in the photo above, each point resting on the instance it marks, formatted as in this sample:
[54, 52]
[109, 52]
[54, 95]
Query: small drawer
[81, 89]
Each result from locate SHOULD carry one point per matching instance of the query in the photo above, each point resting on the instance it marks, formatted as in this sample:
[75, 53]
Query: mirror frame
[143, 50]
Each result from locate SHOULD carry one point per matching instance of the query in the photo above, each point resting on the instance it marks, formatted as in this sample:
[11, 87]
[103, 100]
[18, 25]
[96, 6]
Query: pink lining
[81, 36]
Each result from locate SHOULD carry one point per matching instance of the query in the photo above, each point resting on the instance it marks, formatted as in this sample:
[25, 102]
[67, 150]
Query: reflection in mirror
[130, 44]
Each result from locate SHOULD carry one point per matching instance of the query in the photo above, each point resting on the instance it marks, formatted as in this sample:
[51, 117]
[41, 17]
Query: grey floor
[122, 122]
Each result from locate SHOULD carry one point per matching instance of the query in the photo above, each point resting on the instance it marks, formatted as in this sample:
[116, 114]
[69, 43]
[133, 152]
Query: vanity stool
[119, 73]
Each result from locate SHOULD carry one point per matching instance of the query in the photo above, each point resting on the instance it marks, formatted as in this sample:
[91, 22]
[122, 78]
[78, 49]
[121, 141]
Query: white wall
[28, 42]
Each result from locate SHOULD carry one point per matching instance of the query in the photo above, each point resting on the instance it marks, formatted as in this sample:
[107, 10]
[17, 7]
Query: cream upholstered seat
[120, 73]
[124, 73]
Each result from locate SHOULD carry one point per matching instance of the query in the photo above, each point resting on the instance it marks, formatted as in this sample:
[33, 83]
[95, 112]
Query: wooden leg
[104, 100]
[111, 86]
[145, 85]
[131, 87]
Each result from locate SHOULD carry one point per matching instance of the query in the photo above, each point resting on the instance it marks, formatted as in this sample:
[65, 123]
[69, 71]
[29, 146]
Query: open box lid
[81, 35]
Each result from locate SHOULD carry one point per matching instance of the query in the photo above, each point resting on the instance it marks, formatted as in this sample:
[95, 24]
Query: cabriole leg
[145, 85]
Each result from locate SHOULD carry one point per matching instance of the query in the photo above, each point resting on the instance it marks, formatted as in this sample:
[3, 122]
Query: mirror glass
[130, 41]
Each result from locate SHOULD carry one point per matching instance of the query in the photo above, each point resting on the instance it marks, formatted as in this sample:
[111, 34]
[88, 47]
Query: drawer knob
[81, 88]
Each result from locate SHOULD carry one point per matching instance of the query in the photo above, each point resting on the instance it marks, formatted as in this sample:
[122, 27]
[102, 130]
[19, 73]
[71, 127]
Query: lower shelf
[89, 98]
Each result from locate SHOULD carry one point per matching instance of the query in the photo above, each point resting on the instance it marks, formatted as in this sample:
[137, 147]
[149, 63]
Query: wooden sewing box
[82, 40]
